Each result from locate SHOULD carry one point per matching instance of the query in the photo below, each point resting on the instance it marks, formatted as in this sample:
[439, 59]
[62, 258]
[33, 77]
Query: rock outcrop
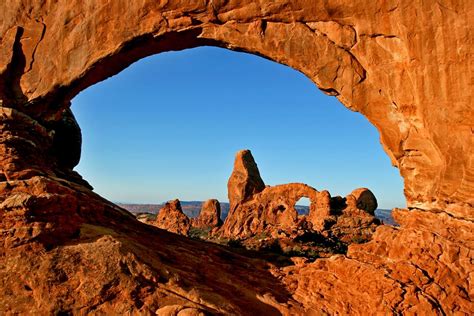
[405, 65]
[272, 211]
[352, 218]
[245, 180]
[171, 218]
[362, 199]
[210, 215]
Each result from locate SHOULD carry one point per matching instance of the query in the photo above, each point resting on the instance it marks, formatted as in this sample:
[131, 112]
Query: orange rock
[362, 199]
[374, 59]
[64, 249]
[171, 218]
[355, 221]
[271, 209]
[210, 215]
[245, 180]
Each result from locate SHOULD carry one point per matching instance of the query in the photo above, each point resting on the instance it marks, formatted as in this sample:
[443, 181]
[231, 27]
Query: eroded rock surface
[210, 215]
[245, 180]
[171, 218]
[405, 65]
[272, 212]
[352, 218]
[345, 47]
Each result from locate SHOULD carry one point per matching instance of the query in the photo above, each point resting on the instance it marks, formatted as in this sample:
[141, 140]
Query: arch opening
[302, 206]
[159, 115]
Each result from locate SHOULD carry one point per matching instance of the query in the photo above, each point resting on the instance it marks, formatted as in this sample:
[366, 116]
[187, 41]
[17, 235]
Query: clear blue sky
[169, 125]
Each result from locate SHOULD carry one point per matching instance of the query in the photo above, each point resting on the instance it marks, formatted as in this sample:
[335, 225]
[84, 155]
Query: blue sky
[169, 126]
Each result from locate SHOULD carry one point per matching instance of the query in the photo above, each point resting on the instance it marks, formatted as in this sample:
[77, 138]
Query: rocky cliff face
[405, 65]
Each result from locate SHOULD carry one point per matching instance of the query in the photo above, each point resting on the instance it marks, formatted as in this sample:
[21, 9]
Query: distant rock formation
[210, 215]
[352, 219]
[272, 210]
[245, 180]
[362, 199]
[172, 218]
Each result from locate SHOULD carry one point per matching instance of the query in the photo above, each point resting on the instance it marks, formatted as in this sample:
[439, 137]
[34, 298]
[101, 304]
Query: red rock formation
[245, 180]
[272, 209]
[171, 218]
[352, 218]
[362, 199]
[210, 215]
[405, 65]
[345, 47]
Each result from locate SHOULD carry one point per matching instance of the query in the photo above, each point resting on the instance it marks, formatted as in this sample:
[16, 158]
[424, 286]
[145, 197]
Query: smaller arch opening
[302, 205]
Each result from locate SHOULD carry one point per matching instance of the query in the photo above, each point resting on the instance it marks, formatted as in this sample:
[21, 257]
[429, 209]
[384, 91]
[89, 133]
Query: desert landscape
[405, 65]
[264, 218]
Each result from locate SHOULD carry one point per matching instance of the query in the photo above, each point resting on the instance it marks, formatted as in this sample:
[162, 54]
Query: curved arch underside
[403, 65]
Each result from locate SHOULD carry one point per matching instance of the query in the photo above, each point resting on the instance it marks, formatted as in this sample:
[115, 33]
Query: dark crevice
[10, 78]
[30, 66]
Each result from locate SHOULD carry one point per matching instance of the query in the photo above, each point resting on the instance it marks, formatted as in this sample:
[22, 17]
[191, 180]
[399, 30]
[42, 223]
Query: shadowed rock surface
[405, 65]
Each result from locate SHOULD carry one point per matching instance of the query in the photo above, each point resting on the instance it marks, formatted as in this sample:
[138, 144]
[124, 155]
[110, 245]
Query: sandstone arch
[343, 47]
[274, 206]
[404, 65]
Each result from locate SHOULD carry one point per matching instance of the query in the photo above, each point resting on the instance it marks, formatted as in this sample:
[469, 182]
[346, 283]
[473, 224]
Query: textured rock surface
[345, 47]
[405, 65]
[352, 218]
[171, 218]
[362, 199]
[245, 179]
[210, 215]
[272, 211]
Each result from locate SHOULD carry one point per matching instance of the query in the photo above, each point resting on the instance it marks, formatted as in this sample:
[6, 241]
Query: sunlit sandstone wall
[406, 65]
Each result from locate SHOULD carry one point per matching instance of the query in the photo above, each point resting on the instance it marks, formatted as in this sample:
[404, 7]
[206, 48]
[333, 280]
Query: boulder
[362, 199]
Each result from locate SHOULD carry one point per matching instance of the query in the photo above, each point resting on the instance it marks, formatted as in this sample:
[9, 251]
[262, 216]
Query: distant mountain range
[192, 209]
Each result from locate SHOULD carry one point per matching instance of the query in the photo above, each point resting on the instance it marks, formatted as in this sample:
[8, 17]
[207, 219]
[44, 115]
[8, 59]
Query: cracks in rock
[43, 32]
[363, 74]
[330, 91]
[439, 211]
[375, 35]
[263, 27]
[428, 297]
[319, 32]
